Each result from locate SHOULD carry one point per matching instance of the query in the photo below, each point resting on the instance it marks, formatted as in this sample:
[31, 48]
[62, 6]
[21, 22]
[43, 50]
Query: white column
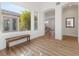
[41, 23]
[58, 22]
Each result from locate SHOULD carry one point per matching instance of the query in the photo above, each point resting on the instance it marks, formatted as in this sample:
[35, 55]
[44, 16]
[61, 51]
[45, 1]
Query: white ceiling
[70, 4]
[35, 5]
[43, 5]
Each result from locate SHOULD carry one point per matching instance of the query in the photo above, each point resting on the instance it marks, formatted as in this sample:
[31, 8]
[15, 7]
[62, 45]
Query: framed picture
[70, 22]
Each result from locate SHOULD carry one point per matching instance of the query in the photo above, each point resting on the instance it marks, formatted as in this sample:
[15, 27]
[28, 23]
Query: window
[25, 21]
[35, 21]
[6, 25]
[9, 24]
[14, 24]
[24, 17]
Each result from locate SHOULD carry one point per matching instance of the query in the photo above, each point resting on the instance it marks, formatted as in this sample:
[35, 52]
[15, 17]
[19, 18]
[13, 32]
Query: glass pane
[35, 18]
[36, 21]
[14, 24]
[25, 21]
[35, 25]
[6, 25]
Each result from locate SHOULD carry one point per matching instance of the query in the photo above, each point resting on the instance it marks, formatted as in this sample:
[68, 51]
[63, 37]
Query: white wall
[70, 12]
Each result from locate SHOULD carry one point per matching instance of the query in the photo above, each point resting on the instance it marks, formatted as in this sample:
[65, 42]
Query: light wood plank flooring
[45, 47]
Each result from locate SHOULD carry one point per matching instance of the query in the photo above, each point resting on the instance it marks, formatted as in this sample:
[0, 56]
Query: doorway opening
[49, 17]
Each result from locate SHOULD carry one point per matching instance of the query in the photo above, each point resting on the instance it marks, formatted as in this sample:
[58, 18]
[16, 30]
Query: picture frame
[70, 22]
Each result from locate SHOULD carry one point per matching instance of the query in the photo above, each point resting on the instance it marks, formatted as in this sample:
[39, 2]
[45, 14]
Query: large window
[9, 24]
[25, 21]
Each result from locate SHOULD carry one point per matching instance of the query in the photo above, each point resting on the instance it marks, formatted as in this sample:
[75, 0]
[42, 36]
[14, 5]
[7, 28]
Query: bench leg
[7, 45]
[29, 38]
[7, 48]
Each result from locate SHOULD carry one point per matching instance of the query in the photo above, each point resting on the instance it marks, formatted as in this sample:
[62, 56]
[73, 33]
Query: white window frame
[11, 23]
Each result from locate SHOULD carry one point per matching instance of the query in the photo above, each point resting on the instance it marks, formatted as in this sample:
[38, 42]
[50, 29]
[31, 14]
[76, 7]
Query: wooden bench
[8, 40]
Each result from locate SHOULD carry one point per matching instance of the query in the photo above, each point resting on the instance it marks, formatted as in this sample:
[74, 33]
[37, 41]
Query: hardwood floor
[72, 41]
[44, 46]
